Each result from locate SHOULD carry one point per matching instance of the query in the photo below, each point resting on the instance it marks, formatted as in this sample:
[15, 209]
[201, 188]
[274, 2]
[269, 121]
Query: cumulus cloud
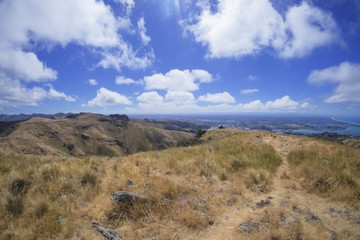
[347, 77]
[224, 97]
[179, 97]
[24, 65]
[14, 94]
[142, 30]
[105, 97]
[249, 91]
[53, 94]
[152, 102]
[92, 82]
[27, 24]
[150, 97]
[178, 80]
[123, 80]
[245, 27]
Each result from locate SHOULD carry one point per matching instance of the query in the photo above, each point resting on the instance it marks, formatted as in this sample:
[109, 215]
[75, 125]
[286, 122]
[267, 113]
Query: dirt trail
[317, 217]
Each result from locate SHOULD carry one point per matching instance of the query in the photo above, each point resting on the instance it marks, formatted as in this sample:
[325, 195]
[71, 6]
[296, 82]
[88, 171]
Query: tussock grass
[186, 187]
[329, 170]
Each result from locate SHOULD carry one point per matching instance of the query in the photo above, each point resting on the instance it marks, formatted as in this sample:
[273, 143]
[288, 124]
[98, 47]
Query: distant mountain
[91, 134]
[21, 117]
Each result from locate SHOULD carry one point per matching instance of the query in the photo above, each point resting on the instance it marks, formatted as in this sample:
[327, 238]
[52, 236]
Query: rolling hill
[91, 134]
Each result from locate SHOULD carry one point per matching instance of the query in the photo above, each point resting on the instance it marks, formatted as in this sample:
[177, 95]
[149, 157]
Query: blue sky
[180, 56]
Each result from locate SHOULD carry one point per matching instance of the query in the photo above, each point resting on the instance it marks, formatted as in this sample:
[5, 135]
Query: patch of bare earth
[287, 211]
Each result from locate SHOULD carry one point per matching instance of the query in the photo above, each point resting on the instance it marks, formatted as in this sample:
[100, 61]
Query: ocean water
[353, 130]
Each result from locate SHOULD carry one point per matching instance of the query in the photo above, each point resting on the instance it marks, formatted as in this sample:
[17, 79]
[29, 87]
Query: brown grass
[334, 171]
[186, 188]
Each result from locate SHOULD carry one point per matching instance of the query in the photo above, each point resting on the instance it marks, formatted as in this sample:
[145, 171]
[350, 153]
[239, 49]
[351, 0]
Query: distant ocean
[353, 130]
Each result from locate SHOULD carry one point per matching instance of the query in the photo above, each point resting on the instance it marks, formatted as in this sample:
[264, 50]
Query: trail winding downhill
[276, 211]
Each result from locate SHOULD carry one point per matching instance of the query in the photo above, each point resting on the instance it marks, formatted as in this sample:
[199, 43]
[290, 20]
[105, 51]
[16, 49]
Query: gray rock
[108, 234]
[291, 218]
[333, 235]
[312, 218]
[129, 182]
[127, 197]
[249, 227]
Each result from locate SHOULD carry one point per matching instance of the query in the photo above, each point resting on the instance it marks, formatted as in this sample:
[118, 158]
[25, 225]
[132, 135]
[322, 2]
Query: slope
[90, 134]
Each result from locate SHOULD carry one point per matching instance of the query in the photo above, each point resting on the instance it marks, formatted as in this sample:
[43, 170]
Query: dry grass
[334, 171]
[186, 188]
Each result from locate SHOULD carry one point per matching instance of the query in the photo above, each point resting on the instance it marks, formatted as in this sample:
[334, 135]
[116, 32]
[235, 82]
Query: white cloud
[346, 75]
[150, 97]
[249, 91]
[251, 77]
[123, 80]
[92, 82]
[142, 30]
[245, 27]
[224, 97]
[27, 24]
[129, 4]
[310, 28]
[53, 94]
[180, 97]
[105, 97]
[125, 56]
[177, 80]
[284, 104]
[15, 94]
[24, 65]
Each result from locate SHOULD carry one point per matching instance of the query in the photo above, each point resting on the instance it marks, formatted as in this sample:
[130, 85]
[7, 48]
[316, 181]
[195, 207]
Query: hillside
[234, 185]
[90, 134]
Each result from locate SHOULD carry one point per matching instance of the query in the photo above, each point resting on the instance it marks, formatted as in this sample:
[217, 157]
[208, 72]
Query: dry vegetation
[334, 171]
[198, 192]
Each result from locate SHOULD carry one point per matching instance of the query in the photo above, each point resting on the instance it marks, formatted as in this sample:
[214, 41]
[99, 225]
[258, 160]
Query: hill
[90, 134]
[233, 185]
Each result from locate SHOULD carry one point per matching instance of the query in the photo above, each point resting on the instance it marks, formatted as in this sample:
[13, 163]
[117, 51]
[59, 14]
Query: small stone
[312, 218]
[108, 234]
[296, 209]
[291, 218]
[211, 222]
[249, 227]
[127, 197]
[260, 188]
[129, 182]
[333, 235]
[84, 203]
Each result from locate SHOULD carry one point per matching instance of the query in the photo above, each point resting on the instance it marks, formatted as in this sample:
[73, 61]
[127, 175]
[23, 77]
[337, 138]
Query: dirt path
[287, 207]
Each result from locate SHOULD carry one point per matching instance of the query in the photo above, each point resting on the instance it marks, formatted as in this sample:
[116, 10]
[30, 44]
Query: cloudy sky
[180, 56]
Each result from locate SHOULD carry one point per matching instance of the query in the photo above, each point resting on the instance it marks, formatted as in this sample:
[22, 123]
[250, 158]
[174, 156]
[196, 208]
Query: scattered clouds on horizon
[347, 77]
[152, 102]
[245, 27]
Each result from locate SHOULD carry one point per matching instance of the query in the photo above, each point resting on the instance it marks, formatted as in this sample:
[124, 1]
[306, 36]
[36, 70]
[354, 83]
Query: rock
[291, 218]
[127, 197]
[333, 235]
[211, 222]
[248, 227]
[262, 203]
[296, 209]
[260, 188]
[312, 218]
[108, 234]
[129, 182]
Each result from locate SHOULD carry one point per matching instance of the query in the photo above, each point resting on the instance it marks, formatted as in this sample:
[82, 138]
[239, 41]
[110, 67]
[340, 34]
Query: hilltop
[232, 185]
[91, 134]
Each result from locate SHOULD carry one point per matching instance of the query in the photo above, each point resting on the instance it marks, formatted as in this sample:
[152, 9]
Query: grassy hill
[234, 185]
[91, 134]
